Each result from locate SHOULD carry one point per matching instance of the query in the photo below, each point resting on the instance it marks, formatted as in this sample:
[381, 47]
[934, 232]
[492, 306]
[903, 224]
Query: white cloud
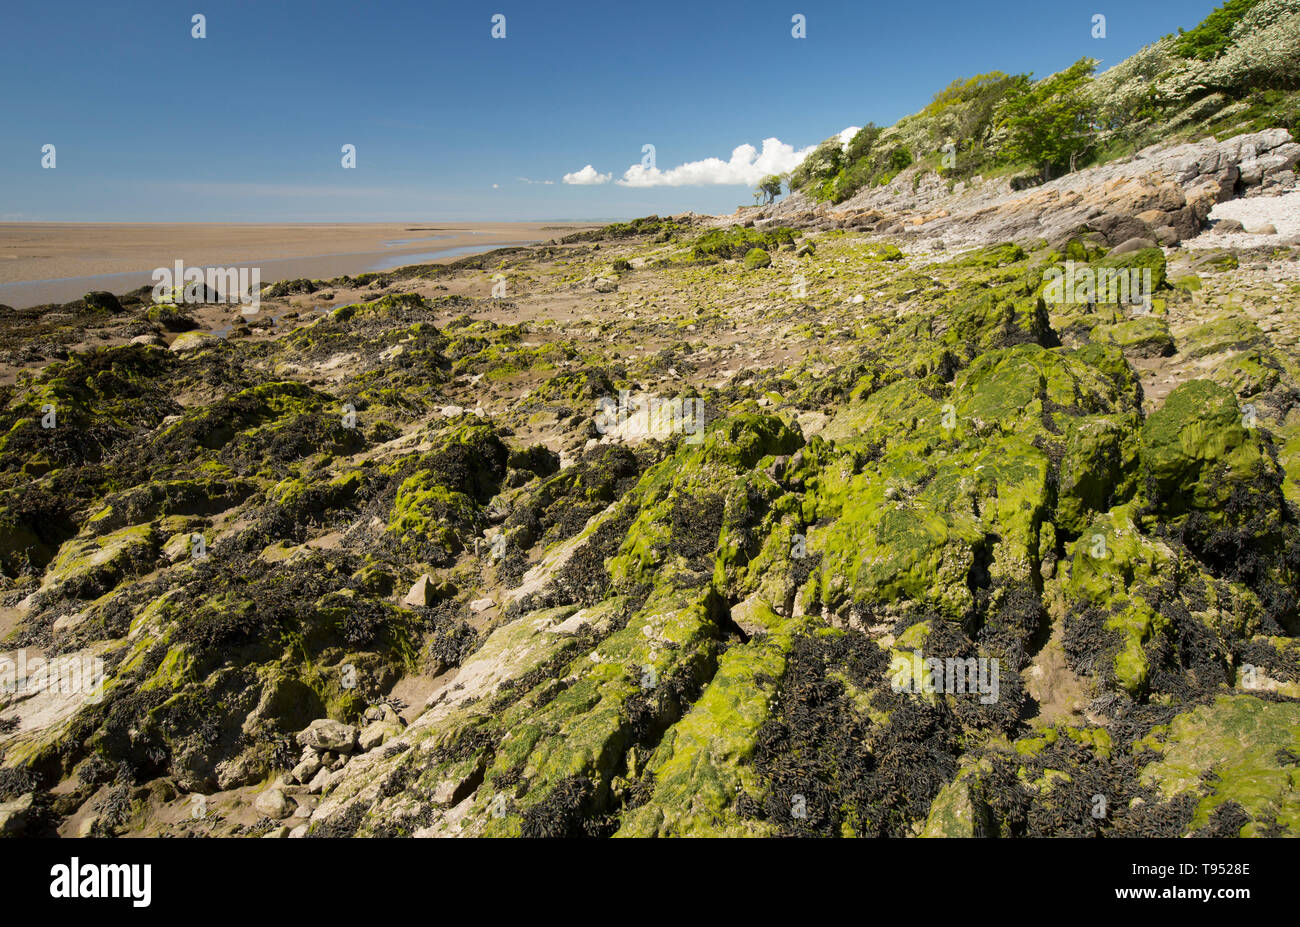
[747, 166]
[588, 176]
[527, 180]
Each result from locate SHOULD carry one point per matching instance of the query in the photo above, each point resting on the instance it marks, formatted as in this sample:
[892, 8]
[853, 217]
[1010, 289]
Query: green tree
[769, 188]
[861, 143]
[1050, 123]
[964, 109]
[822, 165]
[1127, 114]
[1212, 37]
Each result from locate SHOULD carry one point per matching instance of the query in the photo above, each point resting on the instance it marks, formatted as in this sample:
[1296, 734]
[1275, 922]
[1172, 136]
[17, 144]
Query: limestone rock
[306, 769]
[383, 712]
[377, 732]
[274, 804]
[1133, 244]
[753, 616]
[317, 784]
[239, 771]
[192, 341]
[423, 592]
[14, 814]
[325, 734]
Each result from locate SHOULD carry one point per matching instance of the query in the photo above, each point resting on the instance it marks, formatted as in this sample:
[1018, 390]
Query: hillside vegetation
[1236, 72]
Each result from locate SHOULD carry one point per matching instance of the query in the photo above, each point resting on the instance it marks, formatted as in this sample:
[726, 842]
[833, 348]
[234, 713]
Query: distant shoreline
[58, 262]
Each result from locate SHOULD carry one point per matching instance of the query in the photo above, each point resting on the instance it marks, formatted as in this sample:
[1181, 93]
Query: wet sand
[43, 262]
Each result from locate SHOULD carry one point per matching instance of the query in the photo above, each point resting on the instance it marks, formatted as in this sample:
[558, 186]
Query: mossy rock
[102, 301]
[429, 518]
[284, 288]
[1142, 260]
[884, 251]
[1015, 388]
[1289, 459]
[1081, 251]
[1195, 449]
[171, 318]
[1226, 333]
[193, 341]
[1249, 373]
[991, 320]
[88, 567]
[735, 242]
[570, 746]
[1146, 336]
[701, 768]
[21, 548]
[886, 551]
[102, 398]
[1111, 561]
[204, 495]
[959, 810]
[991, 256]
[756, 258]
[896, 410]
[1098, 469]
[682, 500]
[1216, 262]
[1240, 750]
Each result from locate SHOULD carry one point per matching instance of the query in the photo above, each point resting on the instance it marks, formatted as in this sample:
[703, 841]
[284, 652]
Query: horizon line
[11, 221]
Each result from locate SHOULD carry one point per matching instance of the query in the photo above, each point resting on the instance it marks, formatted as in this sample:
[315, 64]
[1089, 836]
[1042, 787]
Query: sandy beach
[44, 262]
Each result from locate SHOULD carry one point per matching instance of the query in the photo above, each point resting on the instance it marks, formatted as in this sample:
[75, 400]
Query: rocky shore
[397, 556]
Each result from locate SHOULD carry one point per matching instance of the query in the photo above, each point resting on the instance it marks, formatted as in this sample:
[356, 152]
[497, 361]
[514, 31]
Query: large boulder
[1196, 449]
[324, 735]
[274, 804]
[1142, 260]
[1145, 336]
[102, 301]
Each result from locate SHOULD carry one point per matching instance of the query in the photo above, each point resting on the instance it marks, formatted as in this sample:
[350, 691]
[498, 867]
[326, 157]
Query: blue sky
[247, 124]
